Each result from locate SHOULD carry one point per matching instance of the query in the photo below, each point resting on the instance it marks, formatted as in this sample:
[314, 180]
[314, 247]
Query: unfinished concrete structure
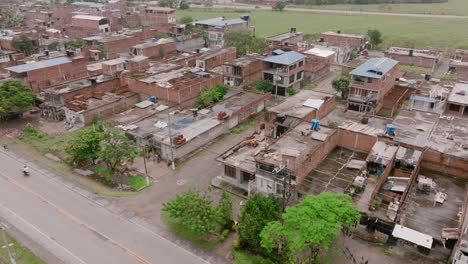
[162, 18]
[457, 103]
[160, 48]
[317, 63]
[284, 69]
[217, 26]
[370, 82]
[417, 57]
[243, 71]
[215, 58]
[286, 40]
[87, 25]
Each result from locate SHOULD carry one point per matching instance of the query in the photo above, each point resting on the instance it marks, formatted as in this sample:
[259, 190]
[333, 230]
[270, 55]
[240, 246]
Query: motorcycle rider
[25, 170]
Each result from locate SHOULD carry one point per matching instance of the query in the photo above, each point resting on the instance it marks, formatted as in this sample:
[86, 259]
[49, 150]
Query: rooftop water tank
[153, 99]
[315, 124]
[391, 129]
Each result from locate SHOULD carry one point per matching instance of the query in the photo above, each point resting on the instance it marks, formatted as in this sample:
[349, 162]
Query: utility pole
[7, 246]
[146, 169]
[170, 139]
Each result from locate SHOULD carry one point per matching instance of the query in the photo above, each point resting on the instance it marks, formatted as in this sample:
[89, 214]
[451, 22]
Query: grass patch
[187, 234]
[244, 126]
[243, 257]
[310, 86]
[396, 31]
[451, 7]
[137, 182]
[25, 148]
[414, 69]
[22, 254]
[385, 113]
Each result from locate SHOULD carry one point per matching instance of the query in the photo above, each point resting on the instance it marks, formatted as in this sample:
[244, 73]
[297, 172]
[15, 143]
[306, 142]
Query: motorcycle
[25, 173]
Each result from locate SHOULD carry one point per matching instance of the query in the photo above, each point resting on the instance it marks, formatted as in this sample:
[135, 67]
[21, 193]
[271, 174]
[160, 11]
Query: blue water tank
[153, 99]
[391, 129]
[315, 124]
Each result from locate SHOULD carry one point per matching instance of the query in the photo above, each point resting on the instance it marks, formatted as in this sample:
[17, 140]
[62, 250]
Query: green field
[22, 254]
[439, 33]
[452, 7]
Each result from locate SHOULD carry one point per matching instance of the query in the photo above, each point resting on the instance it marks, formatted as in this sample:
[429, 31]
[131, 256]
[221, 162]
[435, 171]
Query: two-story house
[284, 69]
[370, 82]
[242, 71]
[217, 26]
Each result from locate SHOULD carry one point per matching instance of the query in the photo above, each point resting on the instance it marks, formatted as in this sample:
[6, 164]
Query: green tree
[225, 209]
[15, 95]
[258, 211]
[262, 86]
[184, 5]
[77, 43]
[310, 226]
[194, 211]
[169, 3]
[85, 144]
[116, 149]
[341, 84]
[280, 5]
[211, 95]
[375, 37]
[23, 44]
[186, 20]
[162, 52]
[244, 41]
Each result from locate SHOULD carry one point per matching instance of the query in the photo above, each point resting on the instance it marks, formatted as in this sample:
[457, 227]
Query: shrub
[291, 91]
[30, 132]
[225, 233]
[235, 244]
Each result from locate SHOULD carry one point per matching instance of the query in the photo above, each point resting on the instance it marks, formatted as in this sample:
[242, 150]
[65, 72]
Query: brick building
[417, 57]
[179, 86]
[243, 71]
[457, 102]
[317, 63]
[217, 26]
[286, 40]
[42, 74]
[370, 82]
[459, 65]
[155, 48]
[284, 70]
[163, 18]
[214, 58]
[113, 67]
[358, 42]
[87, 25]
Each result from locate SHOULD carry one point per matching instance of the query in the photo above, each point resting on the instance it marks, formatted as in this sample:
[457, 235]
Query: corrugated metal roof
[423, 98]
[220, 22]
[39, 65]
[88, 17]
[286, 58]
[89, 4]
[375, 67]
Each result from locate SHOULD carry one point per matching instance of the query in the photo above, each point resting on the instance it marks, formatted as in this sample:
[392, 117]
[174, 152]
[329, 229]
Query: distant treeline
[355, 2]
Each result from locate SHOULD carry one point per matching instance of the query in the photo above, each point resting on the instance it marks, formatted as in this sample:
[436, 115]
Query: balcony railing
[357, 82]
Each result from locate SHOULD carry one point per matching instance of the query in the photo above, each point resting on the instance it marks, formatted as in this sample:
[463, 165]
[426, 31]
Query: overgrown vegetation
[262, 86]
[310, 86]
[15, 95]
[414, 69]
[244, 126]
[291, 91]
[244, 257]
[23, 44]
[137, 182]
[244, 41]
[211, 95]
[77, 43]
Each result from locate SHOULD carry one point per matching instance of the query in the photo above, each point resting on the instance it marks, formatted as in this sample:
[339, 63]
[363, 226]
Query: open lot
[398, 31]
[452, 7]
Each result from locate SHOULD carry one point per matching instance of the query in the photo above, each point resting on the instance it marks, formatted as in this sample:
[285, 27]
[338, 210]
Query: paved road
[330, 11]
[74, 228]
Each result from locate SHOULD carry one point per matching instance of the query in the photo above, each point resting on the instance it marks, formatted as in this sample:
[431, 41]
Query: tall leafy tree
[23, 44]
[375, 37]
[310, 226]
[341, 84]
[225, 209]
[280, 5]
[258, 211]
[15, 95]
[244, 41]
[194, 211]
[116, 149]
[85, 144]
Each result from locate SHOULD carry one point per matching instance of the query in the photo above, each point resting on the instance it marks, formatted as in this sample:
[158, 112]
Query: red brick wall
[169, 49]
[412, 60]
[326, 107]
[356, 141]
[316, 63]
[85, 23]
[95, 90]
[131, 21]
[341, 40]
[215, 61]
[184, 93]
[115, 47]
[445, 163]
[43, 78]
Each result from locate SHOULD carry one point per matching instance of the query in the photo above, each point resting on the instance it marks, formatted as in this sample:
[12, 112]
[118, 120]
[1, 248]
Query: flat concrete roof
[244, 60]
[344, 35]
[459, 94]
[414, 127]
[424, 215]
[295, 142]
[415, 52]
[153, 44]
[293, 105]
[235, 101]
[449, 136]
[284, 36]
